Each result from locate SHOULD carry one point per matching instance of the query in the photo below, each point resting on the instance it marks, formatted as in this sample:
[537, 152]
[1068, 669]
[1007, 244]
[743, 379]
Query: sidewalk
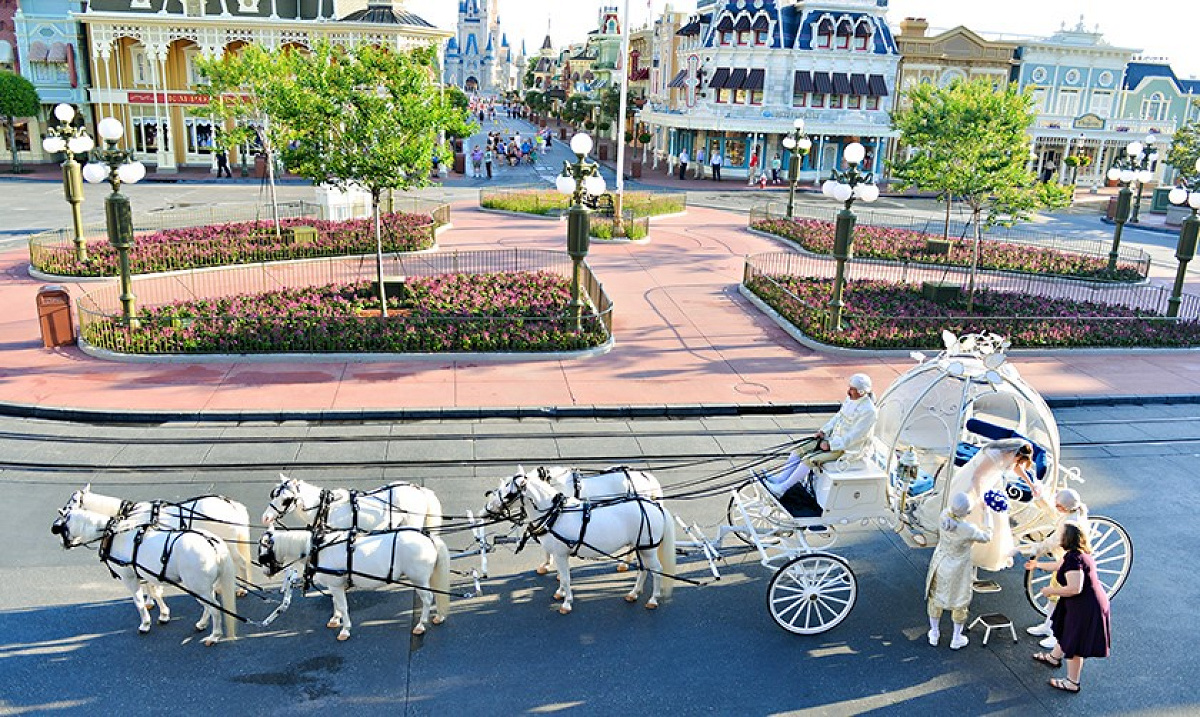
[685, 338]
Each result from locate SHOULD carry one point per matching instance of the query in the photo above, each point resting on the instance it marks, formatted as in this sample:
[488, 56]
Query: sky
[1167, 28]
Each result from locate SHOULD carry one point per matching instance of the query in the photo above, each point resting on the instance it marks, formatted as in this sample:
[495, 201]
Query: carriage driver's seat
[965, 451]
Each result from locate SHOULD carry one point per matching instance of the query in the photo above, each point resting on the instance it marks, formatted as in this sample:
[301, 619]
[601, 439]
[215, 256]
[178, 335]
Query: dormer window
[862, 36]
[825, 34]
[844, 31]
[761, 27]
[743, 30]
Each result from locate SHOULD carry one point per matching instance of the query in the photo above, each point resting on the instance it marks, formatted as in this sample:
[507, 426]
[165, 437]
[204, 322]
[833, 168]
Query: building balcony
[1072, 126]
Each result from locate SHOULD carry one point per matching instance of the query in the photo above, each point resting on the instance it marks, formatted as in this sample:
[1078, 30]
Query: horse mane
[292, 543]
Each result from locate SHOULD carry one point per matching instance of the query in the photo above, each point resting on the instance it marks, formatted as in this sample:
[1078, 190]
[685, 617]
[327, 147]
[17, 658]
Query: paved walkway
[685, 337]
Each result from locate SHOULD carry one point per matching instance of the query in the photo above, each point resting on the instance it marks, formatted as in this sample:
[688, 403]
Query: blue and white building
[479, 59]
[745, 70]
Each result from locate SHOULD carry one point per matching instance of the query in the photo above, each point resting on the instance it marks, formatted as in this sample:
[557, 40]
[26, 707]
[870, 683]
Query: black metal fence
[100, 309]
[935, 227]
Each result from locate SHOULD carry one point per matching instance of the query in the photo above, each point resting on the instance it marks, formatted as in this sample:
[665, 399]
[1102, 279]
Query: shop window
[800, 99]
[20, 136]
[835, 102]
[735, 152]
[756, 97]
[872, 103]
[721, 96]
[818, 100]
[201, 137]
[853, 102]
[149, 134]
[738, 97]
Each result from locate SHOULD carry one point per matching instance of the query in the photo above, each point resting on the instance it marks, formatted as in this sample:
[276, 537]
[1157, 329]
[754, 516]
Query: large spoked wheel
[1112, 549]
[765, 518]
[812, 593]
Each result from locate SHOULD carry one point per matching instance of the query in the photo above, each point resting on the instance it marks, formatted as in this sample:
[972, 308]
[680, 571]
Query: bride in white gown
[986, 471]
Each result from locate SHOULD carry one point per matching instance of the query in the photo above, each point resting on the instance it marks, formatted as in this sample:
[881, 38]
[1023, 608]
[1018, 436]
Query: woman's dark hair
[1075, 539]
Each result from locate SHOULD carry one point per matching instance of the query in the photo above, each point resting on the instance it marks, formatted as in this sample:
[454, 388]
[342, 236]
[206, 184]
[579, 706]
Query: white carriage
[931, 420]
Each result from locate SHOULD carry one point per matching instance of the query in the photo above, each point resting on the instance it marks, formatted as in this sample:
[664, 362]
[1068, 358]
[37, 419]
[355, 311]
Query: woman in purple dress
[1080, 620]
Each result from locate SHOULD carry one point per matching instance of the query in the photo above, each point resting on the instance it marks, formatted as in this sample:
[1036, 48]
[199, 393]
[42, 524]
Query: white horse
[567, 526]
[227, 519]
[612, 483]
[396, 505]
[195, 560]
[341, 559]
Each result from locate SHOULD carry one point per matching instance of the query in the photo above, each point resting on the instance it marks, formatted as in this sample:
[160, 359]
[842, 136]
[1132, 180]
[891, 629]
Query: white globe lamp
[94, 173]
[842, 192]
[594, 185]
[868, 192]
[110, 129]
[1178, 196]
[80, 144]
[64, 112]
[565, 185]
[854, 153]
[581, 144]
[53, 145]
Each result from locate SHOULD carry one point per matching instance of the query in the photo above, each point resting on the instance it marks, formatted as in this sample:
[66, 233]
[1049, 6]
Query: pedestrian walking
[1081, 616]
[701, 158]
[752, 174]
[683, 163]
[717, 161]
[948, 582]
[488, 157]
[223, 164]
[776, 165]
[476, 162]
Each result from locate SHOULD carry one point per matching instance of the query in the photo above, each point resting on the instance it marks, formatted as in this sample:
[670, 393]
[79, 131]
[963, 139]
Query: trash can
[54, 316]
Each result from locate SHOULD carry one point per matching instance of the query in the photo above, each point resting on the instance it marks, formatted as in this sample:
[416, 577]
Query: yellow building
[956, 54]
[144, 56]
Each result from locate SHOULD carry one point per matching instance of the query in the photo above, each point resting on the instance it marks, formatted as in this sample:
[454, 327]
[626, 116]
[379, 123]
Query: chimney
[913, 27]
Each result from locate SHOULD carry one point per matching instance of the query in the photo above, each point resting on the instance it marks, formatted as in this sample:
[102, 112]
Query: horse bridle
[269, 560]
[287, 503]
[507, 501]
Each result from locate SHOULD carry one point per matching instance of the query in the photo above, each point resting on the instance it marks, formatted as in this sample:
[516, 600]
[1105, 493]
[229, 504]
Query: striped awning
[755, 80]
[677, 81]
[841, 83]
[743, 24]
[858, 84]
[719, 79]
[876, 86]
[822, 85]
[690, 29]
[803, 83]
[58, 53]
[761, 23]
[38, 51]
[726, 24]
[737, 80]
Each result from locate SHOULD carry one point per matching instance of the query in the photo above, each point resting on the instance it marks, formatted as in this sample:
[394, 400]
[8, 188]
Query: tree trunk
[946, 228]
[375, 194]
[262, 137]
[12, 145]
[974, 261]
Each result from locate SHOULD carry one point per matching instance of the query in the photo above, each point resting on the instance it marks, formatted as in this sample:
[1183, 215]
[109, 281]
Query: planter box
[937, 247]
[635, 169]
[941, 292]
[393, 286]
[562, 133]
[300, 236]
[603, 151]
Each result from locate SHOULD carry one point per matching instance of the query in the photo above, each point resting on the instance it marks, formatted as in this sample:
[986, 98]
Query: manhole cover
[751, 389]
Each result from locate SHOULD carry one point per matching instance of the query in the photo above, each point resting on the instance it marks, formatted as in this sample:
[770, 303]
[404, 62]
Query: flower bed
[497, 312]
[245, 243]
[891, 244]
[883, 315]
[551, 203]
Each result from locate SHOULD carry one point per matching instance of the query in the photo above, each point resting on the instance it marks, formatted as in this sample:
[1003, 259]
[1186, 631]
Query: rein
[313, 567]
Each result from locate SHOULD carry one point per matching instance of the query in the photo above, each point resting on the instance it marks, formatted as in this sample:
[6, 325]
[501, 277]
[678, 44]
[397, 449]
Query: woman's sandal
[1047, 659]
[1061, 683]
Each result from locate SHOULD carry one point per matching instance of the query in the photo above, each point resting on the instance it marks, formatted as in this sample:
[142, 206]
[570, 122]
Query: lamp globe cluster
[111, 130]
[1185, 196]
[857, 186]
[67, 138]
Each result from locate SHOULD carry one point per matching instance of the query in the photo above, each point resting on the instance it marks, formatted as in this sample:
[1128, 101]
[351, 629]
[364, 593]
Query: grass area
[885, 315]
[548, 202]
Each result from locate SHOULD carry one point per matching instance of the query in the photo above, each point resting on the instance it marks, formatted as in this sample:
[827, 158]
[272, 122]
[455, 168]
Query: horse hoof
[164, 619]
[210, 641]
[143, 629]
[200, 627]
[333, 624]
[438, 619]
[241, 592]
[622, 568]
[564, 610]
[631, 598]
[419, 630]
[559, 595]
[651, 605]
[343, 636]
[542, 570]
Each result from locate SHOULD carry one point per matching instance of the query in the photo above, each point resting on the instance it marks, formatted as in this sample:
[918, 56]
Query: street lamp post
[72, 140]
[579, 179]
[846, 187]
[1186, 194]
[1142, 158]
[798, 145]
[113, 165]
[1123, 172]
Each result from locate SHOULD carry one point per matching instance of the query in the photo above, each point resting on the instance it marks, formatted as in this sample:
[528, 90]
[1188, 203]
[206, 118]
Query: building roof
[1138, 72]
[380, 13]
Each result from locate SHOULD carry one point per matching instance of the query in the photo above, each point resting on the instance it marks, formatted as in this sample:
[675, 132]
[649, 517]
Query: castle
[479, 58]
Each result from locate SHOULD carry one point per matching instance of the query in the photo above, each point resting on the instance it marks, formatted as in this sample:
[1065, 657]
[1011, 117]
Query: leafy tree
[1185, 148]
[18, 98]
[970, 142]
[577, 109]
[367, 117]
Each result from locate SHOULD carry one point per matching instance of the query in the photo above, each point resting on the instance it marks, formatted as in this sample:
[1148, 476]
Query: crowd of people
[974, 531]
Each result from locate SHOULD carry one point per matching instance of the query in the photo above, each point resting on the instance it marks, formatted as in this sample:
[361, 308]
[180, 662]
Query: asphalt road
[69, 641]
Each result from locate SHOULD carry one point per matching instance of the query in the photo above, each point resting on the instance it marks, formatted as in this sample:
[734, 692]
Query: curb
[1142, 227]
[83, 415]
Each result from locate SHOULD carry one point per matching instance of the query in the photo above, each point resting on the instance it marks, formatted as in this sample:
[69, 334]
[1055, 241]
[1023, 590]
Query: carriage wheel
[1112, 549]
[765, 518]
[812, 593]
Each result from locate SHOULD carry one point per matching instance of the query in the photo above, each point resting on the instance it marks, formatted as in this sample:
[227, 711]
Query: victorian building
[746, 70]
[1076, 79]
[1152, 93]
[144, 53]
[479, 58]
[944, 57]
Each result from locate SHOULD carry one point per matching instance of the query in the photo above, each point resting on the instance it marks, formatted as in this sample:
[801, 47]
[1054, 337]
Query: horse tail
[440, 581]
[227, 584]
[433, 510]
[666, 554]
[241, 543]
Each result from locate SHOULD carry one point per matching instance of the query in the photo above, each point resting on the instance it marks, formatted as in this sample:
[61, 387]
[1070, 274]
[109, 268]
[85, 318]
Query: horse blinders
[266, 554]
[61, 528]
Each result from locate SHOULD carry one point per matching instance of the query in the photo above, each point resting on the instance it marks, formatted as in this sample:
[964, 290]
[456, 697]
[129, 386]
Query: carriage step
[986, 586]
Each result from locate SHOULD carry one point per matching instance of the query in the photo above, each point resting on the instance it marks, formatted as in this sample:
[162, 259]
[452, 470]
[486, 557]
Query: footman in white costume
[948, 583]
